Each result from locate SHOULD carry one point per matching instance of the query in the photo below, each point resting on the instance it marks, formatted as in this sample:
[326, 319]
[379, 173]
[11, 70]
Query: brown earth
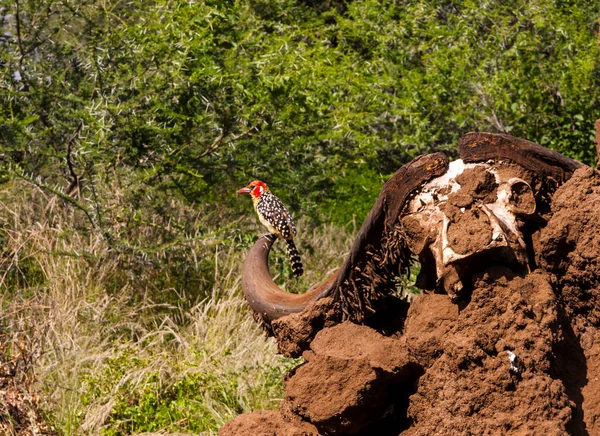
[469, 227]
[520, 355]
[597, 126]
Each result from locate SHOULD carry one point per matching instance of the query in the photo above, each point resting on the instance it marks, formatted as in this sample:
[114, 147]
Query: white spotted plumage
[276, 218]
[274, 215]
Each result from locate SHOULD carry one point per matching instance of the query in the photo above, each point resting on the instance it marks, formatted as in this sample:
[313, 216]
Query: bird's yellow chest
[262, 219]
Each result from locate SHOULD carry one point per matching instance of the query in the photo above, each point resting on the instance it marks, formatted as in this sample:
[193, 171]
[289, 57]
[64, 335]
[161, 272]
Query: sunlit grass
[114, 353]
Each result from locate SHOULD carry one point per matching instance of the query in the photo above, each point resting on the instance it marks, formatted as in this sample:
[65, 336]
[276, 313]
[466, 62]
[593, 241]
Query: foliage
[198, 97]
[151, 406]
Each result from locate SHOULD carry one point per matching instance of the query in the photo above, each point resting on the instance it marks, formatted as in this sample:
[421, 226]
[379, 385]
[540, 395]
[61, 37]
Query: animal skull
[483, 201]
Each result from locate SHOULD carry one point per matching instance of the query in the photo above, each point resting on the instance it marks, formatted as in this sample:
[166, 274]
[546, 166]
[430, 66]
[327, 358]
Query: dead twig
[214, 145]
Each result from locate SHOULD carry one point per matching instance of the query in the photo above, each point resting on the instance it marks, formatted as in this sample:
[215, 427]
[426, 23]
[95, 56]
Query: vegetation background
[127, 127]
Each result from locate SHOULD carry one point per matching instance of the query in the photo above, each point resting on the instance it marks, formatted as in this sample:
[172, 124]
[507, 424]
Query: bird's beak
[244, 191]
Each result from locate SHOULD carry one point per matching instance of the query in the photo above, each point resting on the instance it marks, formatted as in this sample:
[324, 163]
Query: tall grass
[122, 341]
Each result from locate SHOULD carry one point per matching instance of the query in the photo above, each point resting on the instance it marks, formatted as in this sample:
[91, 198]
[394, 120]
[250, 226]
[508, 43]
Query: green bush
[197, 402]
[127, 127]
[198, 98]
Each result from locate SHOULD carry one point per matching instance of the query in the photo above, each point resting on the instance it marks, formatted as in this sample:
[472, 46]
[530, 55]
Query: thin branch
[214, 145]
[496, 121]
[19, 37]
[99, 222]
[219, 139]
[35, 38]
[75, 179]
[20, 174]
[244, 133]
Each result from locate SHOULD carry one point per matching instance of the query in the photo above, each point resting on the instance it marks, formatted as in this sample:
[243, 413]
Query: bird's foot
[272, 236]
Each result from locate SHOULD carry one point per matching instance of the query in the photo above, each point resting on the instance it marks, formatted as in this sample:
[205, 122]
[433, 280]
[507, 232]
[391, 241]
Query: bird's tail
[294, 257]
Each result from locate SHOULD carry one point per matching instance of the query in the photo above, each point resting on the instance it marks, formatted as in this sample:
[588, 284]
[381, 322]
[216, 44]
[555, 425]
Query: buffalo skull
[498, 189]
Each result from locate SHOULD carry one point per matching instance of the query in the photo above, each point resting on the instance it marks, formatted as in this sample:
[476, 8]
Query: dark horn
[480, 147]
[267, 300]
[365, 276]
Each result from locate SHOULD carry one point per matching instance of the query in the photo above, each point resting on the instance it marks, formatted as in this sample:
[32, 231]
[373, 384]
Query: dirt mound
[267, 423]
[351, 375]
[519, 355]
[489, 367]
[570, 244]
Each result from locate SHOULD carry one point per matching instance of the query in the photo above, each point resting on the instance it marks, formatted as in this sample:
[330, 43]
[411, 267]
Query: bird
[276, 218]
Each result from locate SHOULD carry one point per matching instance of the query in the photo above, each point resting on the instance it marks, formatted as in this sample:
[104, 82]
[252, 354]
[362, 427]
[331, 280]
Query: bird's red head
[255, 188]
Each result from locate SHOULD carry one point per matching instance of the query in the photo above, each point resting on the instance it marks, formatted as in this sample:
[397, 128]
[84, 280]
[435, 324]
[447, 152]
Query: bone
[522, 200]
[466, 196]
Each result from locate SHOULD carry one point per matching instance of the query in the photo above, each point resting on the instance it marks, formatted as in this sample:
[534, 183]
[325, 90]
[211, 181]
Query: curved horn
[367, 247]
[389, 204]
[480, 147]
[267, 300]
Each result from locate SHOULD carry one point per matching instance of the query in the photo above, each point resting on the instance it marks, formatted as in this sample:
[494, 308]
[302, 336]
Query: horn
[267, 300]
[389, 204]
[480, 147]
[356, 287]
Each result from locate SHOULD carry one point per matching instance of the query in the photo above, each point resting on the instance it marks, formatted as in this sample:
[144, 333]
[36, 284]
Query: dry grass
[116, 342]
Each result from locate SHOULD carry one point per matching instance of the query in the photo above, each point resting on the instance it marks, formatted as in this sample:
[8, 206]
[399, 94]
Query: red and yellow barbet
[276, 218]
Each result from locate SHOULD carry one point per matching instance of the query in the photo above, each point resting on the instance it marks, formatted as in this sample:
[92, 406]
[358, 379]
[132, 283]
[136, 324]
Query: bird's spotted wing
[274, 214]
